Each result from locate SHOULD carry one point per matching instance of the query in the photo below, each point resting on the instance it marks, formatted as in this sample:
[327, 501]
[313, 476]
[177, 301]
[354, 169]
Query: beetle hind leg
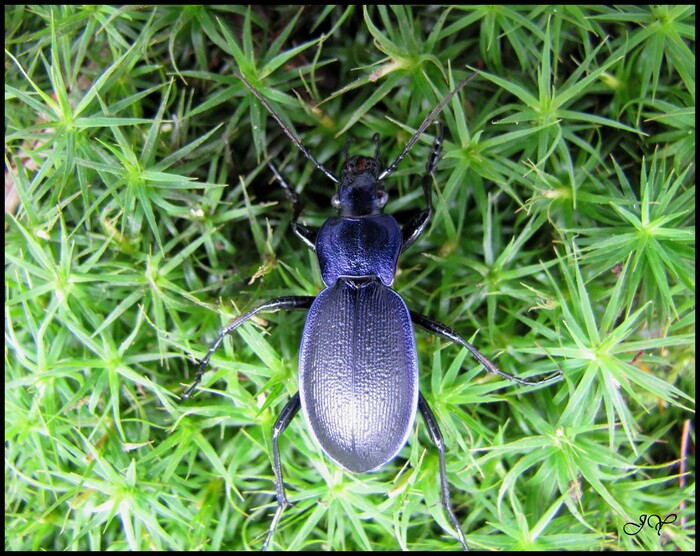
[288, 413]
[436, 437]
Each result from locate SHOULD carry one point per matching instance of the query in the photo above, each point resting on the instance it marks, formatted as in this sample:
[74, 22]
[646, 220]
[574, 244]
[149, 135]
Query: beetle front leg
[443, 331]
[288, 413]
[436, 437]
[288, 303]
[417, 225]
[307, 234]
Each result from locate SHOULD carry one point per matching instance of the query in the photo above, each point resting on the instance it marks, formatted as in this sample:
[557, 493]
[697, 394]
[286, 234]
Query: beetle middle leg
[443, 331]
[436, 437]
[418, 223]
[288, 303]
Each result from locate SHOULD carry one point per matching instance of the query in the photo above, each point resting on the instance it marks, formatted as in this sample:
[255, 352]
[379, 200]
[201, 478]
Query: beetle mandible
[358, 364]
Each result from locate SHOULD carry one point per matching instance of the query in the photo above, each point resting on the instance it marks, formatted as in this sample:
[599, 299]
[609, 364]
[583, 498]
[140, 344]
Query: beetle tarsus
[437, 439]
[418, 223]
[288, 413]
[306, 234]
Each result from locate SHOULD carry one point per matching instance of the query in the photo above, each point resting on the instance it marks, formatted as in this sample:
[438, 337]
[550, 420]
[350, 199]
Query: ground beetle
[358, 365]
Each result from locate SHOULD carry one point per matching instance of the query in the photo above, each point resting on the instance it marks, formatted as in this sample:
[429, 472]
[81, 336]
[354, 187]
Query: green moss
[144, 217]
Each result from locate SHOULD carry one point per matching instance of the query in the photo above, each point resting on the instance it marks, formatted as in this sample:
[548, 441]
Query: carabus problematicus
[358, 364]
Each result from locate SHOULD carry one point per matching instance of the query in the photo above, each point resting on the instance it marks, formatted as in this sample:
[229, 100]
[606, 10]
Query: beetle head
[360, 192]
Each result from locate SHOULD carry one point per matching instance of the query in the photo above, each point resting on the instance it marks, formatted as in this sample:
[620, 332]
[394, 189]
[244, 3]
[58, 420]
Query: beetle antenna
[286, 129]
[346, 149]
[428, 120]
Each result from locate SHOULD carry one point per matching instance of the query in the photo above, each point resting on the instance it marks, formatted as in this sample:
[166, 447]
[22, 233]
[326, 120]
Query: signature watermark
[651, 520]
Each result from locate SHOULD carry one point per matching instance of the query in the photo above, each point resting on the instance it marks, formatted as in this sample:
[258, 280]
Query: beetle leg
[417, 225]
[307, 235]
[288, 413]
[443, 331]
[436, 437]
[288, 303]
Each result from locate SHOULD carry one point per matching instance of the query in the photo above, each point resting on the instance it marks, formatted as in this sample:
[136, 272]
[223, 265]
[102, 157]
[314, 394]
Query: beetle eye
[382, 198]
[335, 202]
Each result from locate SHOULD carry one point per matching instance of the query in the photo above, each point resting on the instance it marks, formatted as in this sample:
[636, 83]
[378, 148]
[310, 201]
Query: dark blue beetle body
[359, 247]
[358, 365]
[358, 383]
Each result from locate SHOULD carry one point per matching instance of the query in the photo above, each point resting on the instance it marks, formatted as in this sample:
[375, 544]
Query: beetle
[358, 363]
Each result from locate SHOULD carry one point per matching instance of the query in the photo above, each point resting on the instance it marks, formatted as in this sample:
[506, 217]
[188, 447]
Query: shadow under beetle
[358, 364]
